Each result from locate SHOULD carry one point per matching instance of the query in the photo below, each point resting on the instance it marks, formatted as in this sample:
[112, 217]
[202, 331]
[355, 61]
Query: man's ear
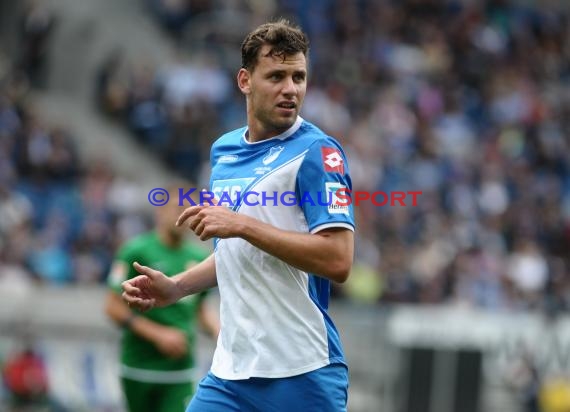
[244, 81]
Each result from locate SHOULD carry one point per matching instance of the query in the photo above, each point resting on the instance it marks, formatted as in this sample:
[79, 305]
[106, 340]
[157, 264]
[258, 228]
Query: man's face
[275, 89]
[166, 217]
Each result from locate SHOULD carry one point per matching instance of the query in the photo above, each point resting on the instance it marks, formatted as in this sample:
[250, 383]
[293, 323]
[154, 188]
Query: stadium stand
[468, 102]
[465, 102]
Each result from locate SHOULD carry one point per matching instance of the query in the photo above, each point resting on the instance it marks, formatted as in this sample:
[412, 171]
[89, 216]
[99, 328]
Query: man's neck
[257, 133]
[168, 239]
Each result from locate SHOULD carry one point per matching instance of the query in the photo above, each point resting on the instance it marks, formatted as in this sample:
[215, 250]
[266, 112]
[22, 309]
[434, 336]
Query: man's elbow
[109, 311]
[340, 270]
[112, 303]
[337, 260]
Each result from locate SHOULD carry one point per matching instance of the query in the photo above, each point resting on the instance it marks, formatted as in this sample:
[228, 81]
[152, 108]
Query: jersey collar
[287, 133]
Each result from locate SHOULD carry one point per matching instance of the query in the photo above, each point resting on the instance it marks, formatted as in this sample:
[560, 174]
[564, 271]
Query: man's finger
[206, 234]
[199, 228]
[195, 222]
[145, 270]
[146, 304]
[191, 211]
[130, 299]
[138, 303]
[130, 289]
[210, 199]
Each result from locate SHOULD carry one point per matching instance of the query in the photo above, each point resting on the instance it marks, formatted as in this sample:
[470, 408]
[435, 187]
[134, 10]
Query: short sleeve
[323, 186]
[122, 268]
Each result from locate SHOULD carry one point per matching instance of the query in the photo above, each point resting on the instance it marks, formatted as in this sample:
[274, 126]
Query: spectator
[26, 379]
[442, 97]
[37, 26]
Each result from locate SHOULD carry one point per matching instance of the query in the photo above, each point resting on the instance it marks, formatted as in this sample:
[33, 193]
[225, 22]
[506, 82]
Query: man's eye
[299, 78]
[275, 77]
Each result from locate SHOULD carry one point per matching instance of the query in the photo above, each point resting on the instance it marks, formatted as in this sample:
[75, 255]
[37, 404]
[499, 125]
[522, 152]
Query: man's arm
[169, 341]
[154, 289]
[198, 278]
[328, 253]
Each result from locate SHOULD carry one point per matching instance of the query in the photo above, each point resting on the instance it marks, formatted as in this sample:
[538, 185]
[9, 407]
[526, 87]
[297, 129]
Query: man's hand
[210, 221]
[170, 341]
[151, 289]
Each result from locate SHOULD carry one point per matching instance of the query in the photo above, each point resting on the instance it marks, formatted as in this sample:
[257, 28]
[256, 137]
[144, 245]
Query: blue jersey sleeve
[323, 187]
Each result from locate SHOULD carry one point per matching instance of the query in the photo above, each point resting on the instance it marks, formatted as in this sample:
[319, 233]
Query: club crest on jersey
[274, 152]
[332, 159]
[118, 272]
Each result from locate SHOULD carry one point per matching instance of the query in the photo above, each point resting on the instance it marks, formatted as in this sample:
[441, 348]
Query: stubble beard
[273, 122]
[175, 235]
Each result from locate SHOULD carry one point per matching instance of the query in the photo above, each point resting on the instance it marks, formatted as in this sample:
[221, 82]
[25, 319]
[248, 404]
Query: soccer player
[157, 347]
[278, 349]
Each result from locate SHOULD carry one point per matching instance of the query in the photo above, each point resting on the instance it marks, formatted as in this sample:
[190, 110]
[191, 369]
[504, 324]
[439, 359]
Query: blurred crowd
[465, 101]
[61, 218]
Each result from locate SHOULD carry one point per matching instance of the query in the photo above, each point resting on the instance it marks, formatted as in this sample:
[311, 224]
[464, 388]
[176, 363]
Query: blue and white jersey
[274, 316]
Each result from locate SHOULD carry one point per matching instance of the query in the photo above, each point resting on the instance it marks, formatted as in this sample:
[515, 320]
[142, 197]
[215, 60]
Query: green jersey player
[157, 347]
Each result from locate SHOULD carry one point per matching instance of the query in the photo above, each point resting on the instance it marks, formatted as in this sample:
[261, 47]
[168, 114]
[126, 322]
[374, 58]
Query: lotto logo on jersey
[332, 159]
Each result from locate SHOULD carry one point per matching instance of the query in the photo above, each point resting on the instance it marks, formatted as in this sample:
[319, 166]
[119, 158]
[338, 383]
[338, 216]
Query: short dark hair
[284, 38]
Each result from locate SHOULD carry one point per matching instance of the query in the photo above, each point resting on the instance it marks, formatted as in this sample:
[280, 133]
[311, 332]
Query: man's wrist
[180, 290]
[127, 323]
[242, 226]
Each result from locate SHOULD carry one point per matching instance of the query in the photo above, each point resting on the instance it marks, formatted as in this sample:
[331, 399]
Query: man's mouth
[287, 105]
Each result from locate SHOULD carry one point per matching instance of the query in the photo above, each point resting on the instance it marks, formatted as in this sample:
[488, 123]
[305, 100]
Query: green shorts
[157, 397]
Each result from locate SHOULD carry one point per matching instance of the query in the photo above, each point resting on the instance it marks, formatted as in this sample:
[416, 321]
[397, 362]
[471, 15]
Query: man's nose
[289, 87]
